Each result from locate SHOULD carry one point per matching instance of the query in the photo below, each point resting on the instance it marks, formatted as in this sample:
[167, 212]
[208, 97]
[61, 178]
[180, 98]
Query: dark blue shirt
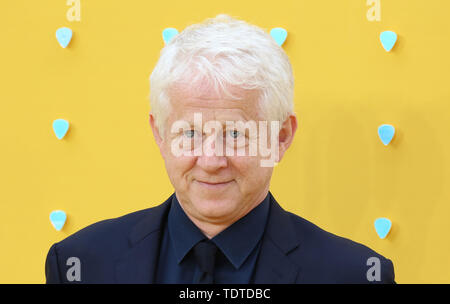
[238, 247]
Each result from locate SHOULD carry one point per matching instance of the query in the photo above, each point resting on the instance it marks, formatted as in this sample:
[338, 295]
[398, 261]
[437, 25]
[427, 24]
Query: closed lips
[214, 183]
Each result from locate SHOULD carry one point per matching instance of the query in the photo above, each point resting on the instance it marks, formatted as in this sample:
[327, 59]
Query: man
[222, 116]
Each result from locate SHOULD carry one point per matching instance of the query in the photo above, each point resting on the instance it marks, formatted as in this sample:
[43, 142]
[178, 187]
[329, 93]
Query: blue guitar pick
[388, 40]
[58, 219]
[386, 133]
[60, 127]
[382, 226]
[279, 34]
[64, 35]
[169, 33]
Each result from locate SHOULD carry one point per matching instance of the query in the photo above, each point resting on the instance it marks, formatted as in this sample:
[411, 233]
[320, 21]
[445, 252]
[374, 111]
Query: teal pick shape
[169, 33]
[388, 40]
[279, 34]
[383, 226]
[64, 35]
[386, 133]
[60, 127]
[58, 219]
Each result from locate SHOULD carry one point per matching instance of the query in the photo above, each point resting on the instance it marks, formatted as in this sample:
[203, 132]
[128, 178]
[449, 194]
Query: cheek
[181, 165]
[249, 172]
[178, 168]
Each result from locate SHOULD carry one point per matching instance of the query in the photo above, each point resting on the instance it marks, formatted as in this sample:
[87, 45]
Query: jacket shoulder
[338, 259]
[100, 245]
[106, 239]
[101, 233]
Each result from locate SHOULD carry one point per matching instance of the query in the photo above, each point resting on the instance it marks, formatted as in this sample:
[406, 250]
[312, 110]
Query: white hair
[224, 52]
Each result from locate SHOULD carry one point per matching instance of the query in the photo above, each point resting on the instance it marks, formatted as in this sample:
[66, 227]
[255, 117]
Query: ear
[286, 135]
[156, 134]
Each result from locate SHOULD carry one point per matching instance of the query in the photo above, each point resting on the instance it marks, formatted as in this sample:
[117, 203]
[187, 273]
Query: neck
[209, 230]
[212, 228]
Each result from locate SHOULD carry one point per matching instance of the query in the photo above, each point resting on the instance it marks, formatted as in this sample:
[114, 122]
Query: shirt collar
[182, 231]
[239, 239]
[236, 242]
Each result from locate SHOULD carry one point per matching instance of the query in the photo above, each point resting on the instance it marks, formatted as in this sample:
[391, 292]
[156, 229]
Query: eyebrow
[222, 123]
[190, 119]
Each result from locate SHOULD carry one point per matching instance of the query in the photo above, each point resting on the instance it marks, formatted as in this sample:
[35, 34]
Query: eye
[234, 133]
[189, 133]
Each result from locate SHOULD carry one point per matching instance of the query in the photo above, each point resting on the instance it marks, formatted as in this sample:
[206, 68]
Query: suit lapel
[139, 263]
[274, 265]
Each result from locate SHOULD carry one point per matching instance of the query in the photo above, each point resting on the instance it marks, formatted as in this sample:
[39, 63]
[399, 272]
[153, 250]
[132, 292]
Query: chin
[215, 208]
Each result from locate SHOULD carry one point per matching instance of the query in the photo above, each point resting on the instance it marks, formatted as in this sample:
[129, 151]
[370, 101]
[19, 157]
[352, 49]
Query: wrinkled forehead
[213, 104]
[205, 89]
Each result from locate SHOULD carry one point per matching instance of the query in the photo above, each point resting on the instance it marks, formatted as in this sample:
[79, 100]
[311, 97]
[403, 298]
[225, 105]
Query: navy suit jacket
[125, 250]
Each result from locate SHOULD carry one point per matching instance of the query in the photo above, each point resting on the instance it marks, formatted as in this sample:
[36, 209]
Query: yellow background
[337, 173]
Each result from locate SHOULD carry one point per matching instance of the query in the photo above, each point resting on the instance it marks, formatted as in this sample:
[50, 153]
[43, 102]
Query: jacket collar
[138, 265]
[152, 222]
[274, 265]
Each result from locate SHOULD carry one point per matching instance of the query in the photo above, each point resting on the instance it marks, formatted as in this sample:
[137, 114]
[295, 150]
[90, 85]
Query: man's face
[211, 187]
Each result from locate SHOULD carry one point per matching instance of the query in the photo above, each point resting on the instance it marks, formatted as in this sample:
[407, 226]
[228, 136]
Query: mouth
[213, 185]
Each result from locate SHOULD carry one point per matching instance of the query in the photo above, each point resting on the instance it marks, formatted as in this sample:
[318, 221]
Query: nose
[211, 160]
